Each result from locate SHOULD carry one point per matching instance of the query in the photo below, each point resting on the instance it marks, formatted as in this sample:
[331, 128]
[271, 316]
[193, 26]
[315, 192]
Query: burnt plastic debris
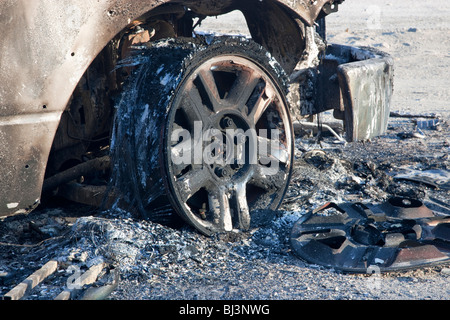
[436, 178]
[354, 237]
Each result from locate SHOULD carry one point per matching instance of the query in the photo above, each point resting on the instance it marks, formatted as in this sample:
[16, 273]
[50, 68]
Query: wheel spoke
[181, 156]
[193, 106]
[243, 212]
[264, 101]
[210, 88]
[267, 178]
[220, 207]
[243, 88]
[192, 182]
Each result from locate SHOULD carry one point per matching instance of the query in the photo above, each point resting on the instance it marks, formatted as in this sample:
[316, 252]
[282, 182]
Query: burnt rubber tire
[191, 129]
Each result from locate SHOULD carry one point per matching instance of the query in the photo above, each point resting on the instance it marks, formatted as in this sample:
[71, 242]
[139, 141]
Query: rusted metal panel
[367, 87]
[311, 10]
[24, 145]
[359, 82]
[307, 10]
[45, 48]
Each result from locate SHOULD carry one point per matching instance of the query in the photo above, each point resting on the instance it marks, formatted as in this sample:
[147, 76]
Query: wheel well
[272, 25]
[276, 29]
[86, 122]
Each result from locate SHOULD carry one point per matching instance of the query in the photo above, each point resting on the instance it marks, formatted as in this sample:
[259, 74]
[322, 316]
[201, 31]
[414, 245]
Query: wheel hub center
[233, 147]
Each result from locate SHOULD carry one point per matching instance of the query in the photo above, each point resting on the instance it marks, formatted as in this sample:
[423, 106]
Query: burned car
[122, 103]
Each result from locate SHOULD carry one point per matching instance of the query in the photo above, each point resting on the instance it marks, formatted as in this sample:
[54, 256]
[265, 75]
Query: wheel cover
[229, 144]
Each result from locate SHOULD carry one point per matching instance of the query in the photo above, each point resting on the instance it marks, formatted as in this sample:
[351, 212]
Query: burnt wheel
[214, 140]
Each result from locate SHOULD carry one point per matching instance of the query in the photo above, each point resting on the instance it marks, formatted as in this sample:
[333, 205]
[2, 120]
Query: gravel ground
[156, 262]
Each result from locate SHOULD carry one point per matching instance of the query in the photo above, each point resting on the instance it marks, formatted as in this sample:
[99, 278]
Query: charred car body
[101, 86]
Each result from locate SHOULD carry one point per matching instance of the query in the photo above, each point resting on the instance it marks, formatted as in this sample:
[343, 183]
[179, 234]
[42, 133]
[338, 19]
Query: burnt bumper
[358, 83]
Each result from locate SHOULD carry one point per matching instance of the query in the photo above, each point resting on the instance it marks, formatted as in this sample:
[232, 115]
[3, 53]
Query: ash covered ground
[161, 263]
[157, 262]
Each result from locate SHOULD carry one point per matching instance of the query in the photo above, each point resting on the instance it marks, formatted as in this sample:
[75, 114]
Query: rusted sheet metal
[353, 237]
[25, 141]
[307, 10]
[311, 10]
[358, 83]
[367, 85]
[46, 46]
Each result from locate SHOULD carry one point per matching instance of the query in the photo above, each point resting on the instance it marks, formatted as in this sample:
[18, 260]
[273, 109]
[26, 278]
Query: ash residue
[158, 262]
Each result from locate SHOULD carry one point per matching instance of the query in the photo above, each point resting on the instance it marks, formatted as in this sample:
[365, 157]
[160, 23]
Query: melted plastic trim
[353, 237]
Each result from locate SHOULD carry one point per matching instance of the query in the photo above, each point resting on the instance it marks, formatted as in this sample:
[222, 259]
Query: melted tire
[184, 86]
